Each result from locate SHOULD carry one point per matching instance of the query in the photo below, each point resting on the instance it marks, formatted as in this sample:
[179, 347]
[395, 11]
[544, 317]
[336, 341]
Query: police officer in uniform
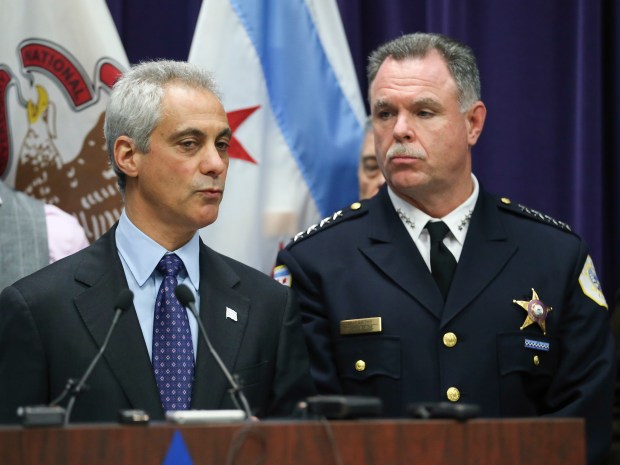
[435, 290]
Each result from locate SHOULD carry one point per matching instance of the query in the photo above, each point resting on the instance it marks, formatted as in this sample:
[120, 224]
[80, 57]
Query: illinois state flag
[58, 61]
[289, 87]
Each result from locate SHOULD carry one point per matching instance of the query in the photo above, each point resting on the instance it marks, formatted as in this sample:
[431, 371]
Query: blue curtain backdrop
[550, 79]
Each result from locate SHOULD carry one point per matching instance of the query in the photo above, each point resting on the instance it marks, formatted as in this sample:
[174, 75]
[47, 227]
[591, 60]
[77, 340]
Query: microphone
[186, 298]
[459, 411]
[124, 300]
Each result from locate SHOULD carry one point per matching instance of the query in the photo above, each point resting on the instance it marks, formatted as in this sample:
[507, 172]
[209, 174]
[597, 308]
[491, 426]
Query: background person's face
[369, 175]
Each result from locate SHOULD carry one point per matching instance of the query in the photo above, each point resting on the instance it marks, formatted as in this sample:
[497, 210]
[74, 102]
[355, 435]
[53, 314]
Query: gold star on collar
[536, 310]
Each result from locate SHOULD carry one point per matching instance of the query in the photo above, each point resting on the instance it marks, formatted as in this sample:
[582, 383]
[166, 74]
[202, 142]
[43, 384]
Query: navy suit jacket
[53, 322]
[362, 263]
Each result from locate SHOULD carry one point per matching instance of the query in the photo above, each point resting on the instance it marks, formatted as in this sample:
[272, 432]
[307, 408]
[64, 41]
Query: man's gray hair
[134, 109]
[459, 58]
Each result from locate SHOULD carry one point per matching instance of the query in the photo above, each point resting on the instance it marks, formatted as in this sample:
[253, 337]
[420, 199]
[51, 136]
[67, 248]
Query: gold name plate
[361, 326]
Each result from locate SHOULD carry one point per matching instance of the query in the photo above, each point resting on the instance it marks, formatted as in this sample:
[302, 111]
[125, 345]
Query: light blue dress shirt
[140, 255]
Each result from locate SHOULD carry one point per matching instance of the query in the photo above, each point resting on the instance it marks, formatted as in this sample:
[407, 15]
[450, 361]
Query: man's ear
[475, 122]
[125, 154]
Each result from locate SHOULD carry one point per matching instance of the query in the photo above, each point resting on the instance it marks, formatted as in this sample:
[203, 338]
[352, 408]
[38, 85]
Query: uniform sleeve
[23, 372]
[585, 378]
[315, 321]
[293, 382]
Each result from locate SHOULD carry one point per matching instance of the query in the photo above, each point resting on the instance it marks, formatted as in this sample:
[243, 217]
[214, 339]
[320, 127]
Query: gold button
[355, 206]
[360, 365]
[536, 360]
[449, 339]
[506, 201]
[453, 394]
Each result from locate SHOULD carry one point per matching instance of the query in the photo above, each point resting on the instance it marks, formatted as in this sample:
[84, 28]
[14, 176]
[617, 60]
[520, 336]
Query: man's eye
[370, 165]
[425, 114]
[222, 145]
[188, 144]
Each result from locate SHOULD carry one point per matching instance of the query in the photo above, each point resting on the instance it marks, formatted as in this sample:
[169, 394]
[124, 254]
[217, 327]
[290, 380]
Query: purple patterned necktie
[173, 352]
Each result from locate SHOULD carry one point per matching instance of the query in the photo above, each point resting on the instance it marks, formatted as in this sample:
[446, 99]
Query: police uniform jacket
[361, 263]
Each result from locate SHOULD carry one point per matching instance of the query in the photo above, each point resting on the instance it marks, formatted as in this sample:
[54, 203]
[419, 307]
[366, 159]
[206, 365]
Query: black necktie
[443, 263]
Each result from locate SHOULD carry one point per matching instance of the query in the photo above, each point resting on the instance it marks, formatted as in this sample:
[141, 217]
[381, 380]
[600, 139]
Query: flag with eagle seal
[58, 62]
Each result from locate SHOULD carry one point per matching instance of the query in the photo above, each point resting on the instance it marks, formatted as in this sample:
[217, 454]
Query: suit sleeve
[316, 325]
[292, 376]
[23, 371]
[585, 378]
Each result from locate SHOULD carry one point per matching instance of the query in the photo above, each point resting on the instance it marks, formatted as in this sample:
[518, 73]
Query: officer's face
[423, 141]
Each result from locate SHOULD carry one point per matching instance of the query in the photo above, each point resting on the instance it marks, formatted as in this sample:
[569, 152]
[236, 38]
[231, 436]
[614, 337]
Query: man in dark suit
[502, 309]
[168, 137]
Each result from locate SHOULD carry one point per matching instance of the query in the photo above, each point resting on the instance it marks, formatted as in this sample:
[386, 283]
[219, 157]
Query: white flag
[292, 97]
[58, 61]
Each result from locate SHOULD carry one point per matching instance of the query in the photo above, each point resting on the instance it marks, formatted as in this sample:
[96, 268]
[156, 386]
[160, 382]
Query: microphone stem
[235, 391]
[75, 391]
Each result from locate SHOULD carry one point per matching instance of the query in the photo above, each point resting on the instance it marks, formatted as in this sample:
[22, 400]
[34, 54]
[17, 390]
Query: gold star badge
[536, 310]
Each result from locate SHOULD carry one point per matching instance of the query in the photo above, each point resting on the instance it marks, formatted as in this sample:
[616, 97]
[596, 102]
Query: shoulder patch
[507, 204]
[354, 210]
[281, 274]
[590, 285]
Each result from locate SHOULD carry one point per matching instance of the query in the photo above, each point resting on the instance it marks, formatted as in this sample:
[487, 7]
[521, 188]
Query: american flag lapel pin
[230, 313]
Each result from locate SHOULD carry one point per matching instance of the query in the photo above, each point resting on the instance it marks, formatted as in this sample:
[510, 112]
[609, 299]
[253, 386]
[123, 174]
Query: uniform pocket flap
[523, 352]
[362, 357]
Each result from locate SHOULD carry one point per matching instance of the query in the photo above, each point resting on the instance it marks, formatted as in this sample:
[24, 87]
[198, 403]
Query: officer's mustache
[401, 150]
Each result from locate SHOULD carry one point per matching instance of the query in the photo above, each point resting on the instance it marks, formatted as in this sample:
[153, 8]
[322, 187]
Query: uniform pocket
[527, 365]
[522, 352]
[362, 357]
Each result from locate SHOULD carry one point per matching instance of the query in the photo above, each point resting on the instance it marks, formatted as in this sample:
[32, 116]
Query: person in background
[369, 175]
[33, 234]
[434, 290]
[167, 136]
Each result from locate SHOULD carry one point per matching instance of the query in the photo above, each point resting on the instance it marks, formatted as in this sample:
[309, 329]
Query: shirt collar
[457, 220]
[141, 253]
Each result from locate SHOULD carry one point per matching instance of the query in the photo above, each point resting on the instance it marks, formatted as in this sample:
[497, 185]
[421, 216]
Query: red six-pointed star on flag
[235, 119]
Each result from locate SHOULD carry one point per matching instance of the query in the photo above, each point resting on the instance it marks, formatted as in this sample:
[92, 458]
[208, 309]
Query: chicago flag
[58, 62]
[289, 87]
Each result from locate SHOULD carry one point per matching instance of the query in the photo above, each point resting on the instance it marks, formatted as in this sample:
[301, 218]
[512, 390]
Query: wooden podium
[362, 442]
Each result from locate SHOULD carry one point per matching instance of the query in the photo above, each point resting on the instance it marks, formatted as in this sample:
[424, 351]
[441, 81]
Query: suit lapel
[126, 354]
[486, 251]
[395, 253]
[216, 295]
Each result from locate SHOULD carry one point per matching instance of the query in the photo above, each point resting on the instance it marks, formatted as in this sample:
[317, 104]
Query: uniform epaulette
[522, 210]
[352, 211]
